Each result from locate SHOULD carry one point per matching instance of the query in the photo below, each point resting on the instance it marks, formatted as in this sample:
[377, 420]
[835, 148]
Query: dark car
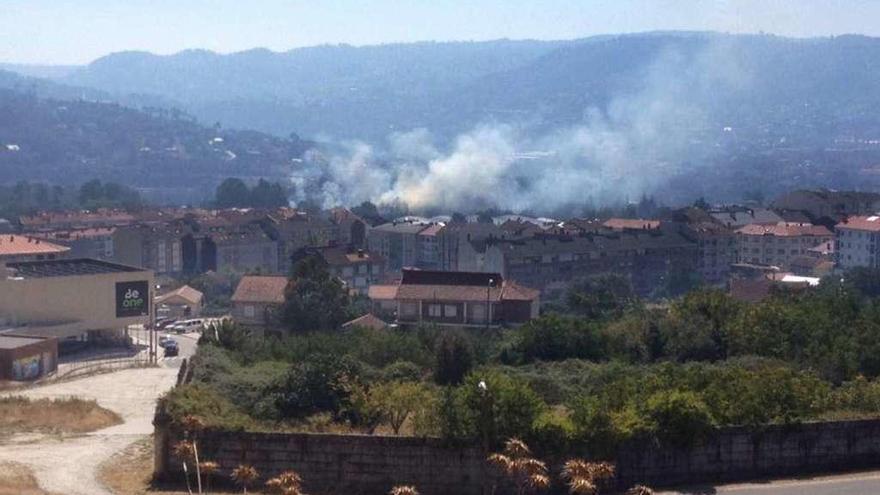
[171, 349]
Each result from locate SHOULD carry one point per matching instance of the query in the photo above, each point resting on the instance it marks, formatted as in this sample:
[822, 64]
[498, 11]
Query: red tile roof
[187, 293]
[260, 289]
[12, 245]
[783, 229]
[870, 223]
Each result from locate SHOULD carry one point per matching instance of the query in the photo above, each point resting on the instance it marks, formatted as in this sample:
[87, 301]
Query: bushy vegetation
[668, 375]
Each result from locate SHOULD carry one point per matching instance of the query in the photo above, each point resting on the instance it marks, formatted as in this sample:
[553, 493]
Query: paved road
[69, 465]
[850, 484]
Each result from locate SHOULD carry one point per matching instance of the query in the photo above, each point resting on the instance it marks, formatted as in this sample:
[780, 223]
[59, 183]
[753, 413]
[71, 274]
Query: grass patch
[56, 416]
[130, 472]
[16, 479]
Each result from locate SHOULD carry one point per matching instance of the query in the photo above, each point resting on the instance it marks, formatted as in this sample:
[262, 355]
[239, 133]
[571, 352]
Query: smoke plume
[632, 146]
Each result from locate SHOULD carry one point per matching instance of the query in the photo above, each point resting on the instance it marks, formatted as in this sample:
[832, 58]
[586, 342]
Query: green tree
[601, 296]
[398, 401]
[314, 300]
[232, 193]
[454, 358]
[321, 383]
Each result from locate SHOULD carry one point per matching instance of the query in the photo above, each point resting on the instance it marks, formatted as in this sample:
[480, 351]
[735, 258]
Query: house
[778, 244]
[356, 268]
[856, 240]
[716, 243]
[383, 298]
[26, 248]
[183, 302]
[257, 302]
[463, 299]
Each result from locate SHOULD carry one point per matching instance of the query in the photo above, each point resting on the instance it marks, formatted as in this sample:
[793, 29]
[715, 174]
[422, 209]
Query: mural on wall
[26, 368]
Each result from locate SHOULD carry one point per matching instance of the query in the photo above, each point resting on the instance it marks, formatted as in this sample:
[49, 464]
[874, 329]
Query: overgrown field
[601, 370]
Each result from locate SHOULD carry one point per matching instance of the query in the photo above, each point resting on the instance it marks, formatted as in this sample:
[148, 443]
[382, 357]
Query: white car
[187, 326]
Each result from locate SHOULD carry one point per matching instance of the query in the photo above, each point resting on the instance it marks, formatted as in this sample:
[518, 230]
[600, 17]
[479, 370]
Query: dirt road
[69, 465]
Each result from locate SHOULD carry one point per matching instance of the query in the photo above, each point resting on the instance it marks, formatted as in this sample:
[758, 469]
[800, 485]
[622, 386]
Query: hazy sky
[78, 31]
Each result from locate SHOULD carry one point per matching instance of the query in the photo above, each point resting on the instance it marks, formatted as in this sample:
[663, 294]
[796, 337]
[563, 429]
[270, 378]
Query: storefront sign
[132, 299]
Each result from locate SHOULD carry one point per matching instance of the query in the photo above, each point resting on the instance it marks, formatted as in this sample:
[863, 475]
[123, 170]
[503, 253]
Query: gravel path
[70, 465]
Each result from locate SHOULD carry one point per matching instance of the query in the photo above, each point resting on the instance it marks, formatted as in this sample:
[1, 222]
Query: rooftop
[631, 224]
[869, 222]
[12, 245]
[187, 293]
[17, 341]
[260, 289]
[67, 268]
[785, 229]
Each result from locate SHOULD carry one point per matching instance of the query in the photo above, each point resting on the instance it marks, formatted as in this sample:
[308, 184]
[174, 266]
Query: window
[435, 310]
[409, 309]
[249, 311]
[450, 311]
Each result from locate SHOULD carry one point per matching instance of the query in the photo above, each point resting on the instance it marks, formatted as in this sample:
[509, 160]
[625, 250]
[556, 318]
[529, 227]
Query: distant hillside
[368, 92]
[156, 150]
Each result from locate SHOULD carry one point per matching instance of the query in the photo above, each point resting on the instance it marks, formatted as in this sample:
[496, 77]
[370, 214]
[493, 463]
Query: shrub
[678, 418]
[321, 383]
[203, 401]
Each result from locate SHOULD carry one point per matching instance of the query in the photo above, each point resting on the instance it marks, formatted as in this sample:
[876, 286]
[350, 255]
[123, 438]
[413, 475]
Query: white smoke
[631, 147]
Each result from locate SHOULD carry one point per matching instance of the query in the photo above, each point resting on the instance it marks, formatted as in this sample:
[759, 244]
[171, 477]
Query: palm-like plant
[208, 468]
[245, 476]
[583, 477]
[640, 490]
[526, 472]
[404, 490]
[286, 483]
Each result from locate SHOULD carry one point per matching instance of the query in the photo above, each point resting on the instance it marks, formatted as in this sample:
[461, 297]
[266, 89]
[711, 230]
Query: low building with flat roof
[25, 357]
[76, 298]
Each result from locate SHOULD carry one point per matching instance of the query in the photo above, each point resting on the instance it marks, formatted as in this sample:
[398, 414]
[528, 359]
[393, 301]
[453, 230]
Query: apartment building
[856, 241]
[778, 244]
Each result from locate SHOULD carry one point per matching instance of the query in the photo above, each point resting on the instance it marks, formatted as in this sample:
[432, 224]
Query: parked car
[165, 339]
[163, 323]
[171, 349]
[187, 326]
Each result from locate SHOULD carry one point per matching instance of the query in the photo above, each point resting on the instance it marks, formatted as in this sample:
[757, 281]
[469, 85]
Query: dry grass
[130, 472]
[16, 479]
[23, 415]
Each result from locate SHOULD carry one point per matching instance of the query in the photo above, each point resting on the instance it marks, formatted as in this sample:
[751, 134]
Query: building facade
[778, 244]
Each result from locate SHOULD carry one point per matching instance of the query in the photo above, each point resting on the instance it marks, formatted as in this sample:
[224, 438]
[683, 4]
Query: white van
[187, 326]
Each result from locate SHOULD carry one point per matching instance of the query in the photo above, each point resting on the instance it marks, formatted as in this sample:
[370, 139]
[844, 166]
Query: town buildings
[358, 269]
[778, 244]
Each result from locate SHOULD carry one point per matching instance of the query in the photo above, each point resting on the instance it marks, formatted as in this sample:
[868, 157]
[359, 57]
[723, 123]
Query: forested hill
[71, 141]
[368, 92]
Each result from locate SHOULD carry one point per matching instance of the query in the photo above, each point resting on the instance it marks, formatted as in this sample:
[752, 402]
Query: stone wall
[741, 454]
[360, 464]
[341, 464]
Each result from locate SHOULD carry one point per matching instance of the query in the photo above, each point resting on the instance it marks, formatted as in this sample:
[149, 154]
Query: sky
[79, 31]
